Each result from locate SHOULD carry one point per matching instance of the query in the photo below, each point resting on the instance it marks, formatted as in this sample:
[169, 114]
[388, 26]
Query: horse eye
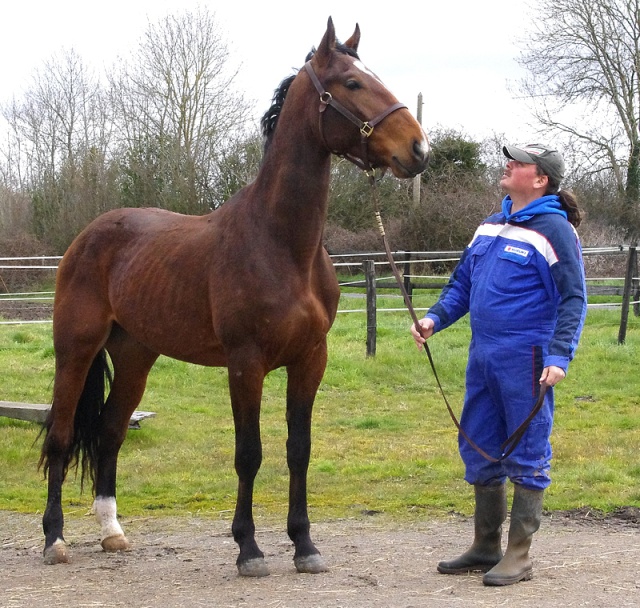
[352, 85]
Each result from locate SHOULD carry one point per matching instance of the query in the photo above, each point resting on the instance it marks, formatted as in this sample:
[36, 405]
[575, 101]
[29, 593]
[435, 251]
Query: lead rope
[510, 444]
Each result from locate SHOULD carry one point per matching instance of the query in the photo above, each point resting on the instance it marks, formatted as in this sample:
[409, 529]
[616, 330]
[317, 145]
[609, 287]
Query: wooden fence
[627, 288]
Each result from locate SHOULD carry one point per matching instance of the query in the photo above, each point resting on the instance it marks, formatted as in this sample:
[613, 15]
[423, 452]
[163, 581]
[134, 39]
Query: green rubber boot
[486, 550]
[516, 565]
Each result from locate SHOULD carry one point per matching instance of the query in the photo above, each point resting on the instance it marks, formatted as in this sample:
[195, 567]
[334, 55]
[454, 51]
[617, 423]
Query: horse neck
[293, 185]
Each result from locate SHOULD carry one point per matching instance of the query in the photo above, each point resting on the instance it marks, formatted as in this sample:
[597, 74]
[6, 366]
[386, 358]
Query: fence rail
[629, 291]
[627, 288]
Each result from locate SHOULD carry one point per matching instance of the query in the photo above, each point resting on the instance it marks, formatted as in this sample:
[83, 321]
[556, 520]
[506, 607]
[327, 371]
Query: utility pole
[416, 179]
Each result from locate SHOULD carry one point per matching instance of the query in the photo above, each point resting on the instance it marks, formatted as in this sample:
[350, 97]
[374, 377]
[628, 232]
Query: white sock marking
[106, 514]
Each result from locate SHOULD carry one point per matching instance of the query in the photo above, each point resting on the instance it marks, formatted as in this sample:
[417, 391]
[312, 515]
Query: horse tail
[83, 450]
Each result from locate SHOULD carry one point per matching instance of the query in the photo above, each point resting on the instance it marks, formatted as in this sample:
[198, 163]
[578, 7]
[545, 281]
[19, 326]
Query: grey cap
[548, 159]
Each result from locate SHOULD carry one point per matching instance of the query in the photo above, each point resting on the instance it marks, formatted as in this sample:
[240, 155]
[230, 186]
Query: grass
[382, 438]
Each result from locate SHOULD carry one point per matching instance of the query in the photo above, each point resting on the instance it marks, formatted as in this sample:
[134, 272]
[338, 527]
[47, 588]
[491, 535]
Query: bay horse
[249, 287]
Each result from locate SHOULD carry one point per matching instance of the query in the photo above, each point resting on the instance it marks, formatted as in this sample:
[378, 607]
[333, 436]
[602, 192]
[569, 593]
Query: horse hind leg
[112, 537]
[131, 365]
[78, 393]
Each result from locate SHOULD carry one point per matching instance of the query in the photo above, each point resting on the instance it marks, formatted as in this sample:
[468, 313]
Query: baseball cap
[548, 159]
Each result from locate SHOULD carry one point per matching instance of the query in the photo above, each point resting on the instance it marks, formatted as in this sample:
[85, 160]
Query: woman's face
[521, 178]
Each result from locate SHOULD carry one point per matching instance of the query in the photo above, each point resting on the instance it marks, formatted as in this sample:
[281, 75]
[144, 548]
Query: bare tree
[57, 148]
[177, 110]
[62, 114]
[584, 63]
[158, 136]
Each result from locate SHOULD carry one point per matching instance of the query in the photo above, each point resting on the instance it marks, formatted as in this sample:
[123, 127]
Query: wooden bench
[37, 412]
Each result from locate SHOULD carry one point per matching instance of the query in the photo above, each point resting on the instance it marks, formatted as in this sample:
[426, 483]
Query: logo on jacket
[516, 251]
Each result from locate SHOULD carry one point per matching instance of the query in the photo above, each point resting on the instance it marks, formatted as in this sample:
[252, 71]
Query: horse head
[359, 117]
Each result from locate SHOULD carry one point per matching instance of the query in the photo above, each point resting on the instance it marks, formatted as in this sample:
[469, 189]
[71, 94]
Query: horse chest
[296, 311]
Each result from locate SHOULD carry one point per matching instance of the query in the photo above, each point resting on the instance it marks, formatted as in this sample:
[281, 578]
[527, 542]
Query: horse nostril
[421, 151]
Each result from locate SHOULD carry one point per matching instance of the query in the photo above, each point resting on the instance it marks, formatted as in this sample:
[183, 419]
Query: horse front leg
[303, 382]
[245, 387]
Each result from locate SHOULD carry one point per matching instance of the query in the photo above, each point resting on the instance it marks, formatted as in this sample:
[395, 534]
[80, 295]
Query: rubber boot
[486, 550]
[516, 565]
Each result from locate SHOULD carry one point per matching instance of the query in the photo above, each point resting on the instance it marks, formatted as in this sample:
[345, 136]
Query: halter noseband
[366, 128]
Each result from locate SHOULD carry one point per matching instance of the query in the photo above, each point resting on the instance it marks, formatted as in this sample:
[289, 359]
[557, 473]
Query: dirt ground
[580, 559]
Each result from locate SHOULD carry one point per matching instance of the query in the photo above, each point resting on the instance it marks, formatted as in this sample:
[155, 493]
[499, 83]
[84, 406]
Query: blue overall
[521, 279]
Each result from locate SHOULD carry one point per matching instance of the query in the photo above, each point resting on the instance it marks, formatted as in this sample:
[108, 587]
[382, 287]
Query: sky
[461, 54]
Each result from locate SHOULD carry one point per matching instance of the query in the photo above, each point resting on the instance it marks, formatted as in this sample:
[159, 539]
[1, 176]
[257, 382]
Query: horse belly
[166, 311]
[178, 328]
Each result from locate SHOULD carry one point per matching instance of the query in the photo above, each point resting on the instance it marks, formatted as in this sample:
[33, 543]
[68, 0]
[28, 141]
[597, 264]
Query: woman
[521, 279]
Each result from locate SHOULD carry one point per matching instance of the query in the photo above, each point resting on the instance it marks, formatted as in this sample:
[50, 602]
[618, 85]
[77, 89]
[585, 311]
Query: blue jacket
[523, 272]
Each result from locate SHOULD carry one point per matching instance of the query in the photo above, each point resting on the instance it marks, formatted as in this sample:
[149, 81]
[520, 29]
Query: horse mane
[269, 120]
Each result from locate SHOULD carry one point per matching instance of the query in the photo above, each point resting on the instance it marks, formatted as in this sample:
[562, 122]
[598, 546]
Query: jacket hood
[545, 204]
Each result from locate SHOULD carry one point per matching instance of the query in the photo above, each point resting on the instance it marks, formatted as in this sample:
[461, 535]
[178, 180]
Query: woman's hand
[552, 375]
[426, 331]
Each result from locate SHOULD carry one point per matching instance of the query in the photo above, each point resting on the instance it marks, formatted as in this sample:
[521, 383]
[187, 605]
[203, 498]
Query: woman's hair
[567, 198]
[570, 205]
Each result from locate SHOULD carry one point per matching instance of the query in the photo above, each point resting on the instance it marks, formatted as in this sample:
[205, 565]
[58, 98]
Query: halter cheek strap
[365, 127]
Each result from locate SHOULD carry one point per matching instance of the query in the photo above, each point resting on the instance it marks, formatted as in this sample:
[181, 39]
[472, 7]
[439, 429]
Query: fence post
[370, 283]
[635, 288]
[626, 293]
[406, 275]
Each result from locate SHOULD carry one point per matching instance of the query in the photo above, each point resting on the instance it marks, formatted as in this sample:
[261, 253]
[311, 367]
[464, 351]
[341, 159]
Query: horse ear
[354, 41]
[328, 43]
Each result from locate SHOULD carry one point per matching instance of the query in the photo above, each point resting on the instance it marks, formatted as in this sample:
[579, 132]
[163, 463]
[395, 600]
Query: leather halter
[365, 127]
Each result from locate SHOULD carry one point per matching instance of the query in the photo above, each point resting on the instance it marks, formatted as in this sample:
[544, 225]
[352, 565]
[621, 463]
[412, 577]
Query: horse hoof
[111, 544]
[255, 567]
[56, 554]
[310, 564]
